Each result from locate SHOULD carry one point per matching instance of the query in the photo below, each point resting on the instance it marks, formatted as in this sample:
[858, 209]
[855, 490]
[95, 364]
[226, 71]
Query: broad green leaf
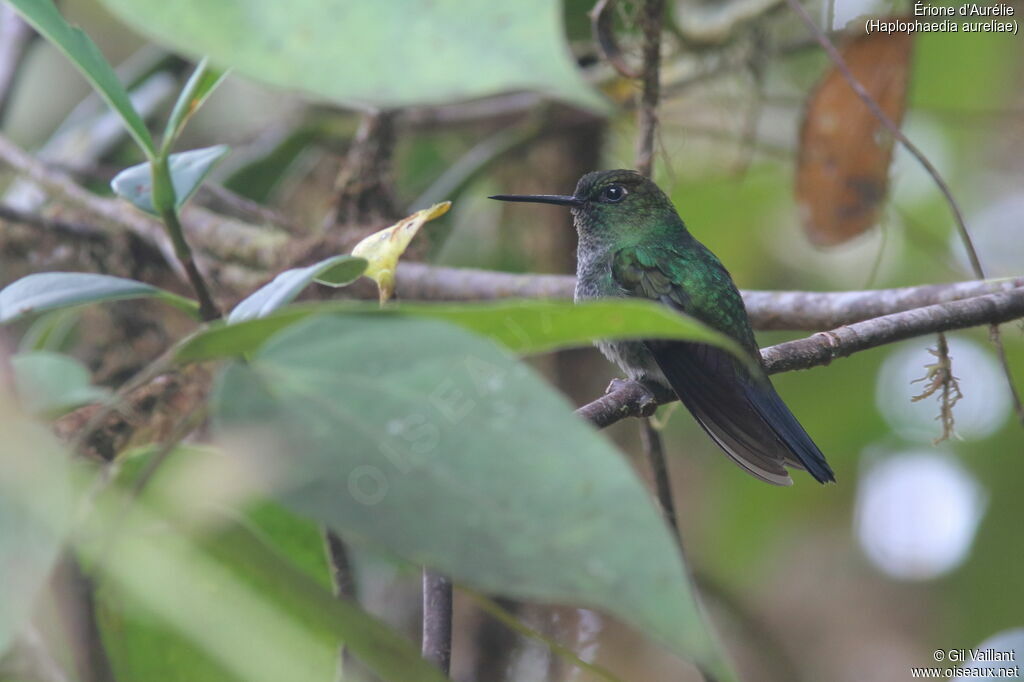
[36, 510]
[433, 444]
[200, 85]
[382, 54]
[286, 286]
[50, 384]
[522, 326]
[44, 291]
[197, 597]
[188, 170]
[383, 249]
[84, 54]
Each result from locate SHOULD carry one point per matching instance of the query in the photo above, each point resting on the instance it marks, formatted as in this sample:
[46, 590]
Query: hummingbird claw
[647, 402]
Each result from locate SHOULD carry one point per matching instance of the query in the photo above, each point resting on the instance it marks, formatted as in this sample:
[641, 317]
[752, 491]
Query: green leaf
[188, 170]
[200, 85]
[435, 445]
[84, 54]
[342, 273]
[50, 384]
[286, 286]
[200, 584]
[383, 54]
[521, 326]
[36, 509]
[50, 331]
[44, 291]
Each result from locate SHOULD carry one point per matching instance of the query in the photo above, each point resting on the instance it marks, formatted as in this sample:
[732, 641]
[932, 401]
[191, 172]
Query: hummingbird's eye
[613, 194]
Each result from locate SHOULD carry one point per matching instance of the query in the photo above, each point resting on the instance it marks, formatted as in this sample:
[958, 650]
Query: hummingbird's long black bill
[556, 199]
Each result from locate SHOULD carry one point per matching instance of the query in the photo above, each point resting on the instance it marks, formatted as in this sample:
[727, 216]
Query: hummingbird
[632, 243]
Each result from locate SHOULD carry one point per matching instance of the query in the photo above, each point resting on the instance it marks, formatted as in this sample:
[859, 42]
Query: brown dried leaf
[843, 166]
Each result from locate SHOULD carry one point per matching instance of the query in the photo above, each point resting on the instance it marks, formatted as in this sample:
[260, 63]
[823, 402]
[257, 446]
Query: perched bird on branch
[632, 243]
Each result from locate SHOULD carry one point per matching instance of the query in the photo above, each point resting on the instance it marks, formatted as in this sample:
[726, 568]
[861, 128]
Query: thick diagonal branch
[632, 399]
[792, 310]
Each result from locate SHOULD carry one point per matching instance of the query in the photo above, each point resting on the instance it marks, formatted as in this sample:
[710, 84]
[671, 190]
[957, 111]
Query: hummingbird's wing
[739, 409]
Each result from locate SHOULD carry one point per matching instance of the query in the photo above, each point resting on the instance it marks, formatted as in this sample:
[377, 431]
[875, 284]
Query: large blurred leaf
[188, 170]
[384, 54]
[36, 508]
[435, 445]
[50, 384]
[193, 587]
[84, 54]
[44, 291]
[286, 286]
[521, 326]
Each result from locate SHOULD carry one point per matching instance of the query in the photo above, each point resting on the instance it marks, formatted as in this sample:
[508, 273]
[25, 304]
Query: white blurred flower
[917, 514]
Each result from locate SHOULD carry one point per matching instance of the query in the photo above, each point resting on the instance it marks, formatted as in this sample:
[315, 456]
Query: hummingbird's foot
[650, 395]
[617, 385]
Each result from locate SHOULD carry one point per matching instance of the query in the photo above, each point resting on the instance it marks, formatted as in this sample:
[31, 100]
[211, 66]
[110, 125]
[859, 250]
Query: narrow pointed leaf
[435, 445]
[84, 54]
[200, 85]
[188, 170]
[44, 291]
[286, 286]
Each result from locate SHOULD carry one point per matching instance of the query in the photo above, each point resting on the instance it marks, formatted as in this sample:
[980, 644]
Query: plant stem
[648, 114]
[437, 620]
[344, 587]
[165, 203]
[208, 310]
[655, 452]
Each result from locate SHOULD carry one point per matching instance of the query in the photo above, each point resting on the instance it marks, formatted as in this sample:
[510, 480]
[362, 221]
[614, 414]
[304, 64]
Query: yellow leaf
[383, 249]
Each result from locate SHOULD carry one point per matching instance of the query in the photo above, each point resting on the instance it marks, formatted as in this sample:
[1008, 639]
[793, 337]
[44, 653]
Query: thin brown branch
[437, 620]
[650, 437]
[343, 580]
[997, 340]
[631, 399]
[64, 228]
[237, 255]
[768, 310]
[647, 115]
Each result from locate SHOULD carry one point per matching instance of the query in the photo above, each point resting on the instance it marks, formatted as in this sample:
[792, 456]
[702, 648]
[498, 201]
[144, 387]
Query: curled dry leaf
[845, 151]
[604, 36]
[383, 249]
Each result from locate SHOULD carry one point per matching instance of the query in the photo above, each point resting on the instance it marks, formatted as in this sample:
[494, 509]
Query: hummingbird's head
[610, 203]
